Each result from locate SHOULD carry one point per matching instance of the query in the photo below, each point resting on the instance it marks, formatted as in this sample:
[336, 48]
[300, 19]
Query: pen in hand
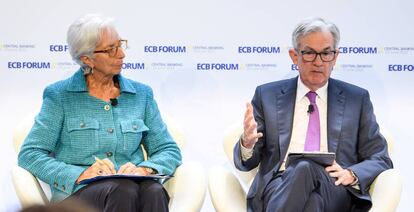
[106, 165]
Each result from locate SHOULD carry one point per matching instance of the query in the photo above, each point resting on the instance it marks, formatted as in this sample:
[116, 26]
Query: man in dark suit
[278, 121]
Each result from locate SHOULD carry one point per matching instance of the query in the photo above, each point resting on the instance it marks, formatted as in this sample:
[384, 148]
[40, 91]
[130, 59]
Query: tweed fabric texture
[74, 126]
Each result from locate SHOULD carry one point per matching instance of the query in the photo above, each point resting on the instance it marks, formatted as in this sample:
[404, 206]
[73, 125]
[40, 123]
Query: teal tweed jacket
[73, 126]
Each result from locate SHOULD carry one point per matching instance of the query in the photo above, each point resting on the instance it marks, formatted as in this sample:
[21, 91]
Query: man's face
[315, 73]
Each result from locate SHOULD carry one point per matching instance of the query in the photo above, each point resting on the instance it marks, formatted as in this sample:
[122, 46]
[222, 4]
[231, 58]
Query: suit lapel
[285, 107]
[336, 106]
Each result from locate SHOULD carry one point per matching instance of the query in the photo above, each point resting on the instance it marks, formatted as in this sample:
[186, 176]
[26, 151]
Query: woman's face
[108, 56]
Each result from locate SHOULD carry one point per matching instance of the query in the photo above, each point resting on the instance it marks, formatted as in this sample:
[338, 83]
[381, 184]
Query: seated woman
[98, 113]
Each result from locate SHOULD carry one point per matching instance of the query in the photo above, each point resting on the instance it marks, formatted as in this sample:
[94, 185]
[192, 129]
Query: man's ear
[294, 56]
[87, 60]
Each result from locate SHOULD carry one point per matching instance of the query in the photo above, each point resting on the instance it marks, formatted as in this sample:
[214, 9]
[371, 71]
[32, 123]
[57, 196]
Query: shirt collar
[302, 90]
[77, 83]
[125, 85]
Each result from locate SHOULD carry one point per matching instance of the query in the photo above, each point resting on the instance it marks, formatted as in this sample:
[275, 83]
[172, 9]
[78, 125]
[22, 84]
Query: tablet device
[322, 158]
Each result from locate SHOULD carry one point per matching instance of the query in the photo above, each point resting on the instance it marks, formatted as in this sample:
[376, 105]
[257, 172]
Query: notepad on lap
[322, 158]
[161, 178]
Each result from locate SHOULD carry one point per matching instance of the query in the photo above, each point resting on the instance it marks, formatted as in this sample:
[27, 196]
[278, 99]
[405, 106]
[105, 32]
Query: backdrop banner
[205, 58]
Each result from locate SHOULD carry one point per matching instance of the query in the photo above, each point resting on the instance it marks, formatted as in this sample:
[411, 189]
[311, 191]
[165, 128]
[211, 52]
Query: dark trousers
[124, 195]
[305, 186]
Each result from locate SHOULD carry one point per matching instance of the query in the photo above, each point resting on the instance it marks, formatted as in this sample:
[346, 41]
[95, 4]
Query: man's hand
[343, 176]
[250, 135]
[100, 167]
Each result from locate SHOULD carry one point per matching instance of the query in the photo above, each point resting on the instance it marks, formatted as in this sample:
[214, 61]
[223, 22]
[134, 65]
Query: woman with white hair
[93, 124]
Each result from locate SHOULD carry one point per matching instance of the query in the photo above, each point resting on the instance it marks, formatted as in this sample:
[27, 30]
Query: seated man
[311, 112]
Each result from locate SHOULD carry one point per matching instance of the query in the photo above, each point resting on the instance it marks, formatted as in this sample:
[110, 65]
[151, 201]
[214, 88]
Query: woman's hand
[100, 167]
[130, 168]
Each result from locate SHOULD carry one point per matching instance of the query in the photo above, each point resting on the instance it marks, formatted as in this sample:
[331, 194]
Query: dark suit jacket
[353, 134]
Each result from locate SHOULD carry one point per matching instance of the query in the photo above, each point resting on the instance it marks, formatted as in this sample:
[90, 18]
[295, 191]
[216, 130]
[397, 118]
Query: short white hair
[314, 24]
[85, 33]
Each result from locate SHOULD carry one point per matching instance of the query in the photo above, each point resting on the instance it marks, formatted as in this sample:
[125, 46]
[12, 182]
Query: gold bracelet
[150, 170]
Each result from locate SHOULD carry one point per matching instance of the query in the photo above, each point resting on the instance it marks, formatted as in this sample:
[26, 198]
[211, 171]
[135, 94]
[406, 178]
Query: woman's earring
[87, 70]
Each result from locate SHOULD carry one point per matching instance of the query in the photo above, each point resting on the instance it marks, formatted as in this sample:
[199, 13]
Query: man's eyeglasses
[113, 51]
[326, 56]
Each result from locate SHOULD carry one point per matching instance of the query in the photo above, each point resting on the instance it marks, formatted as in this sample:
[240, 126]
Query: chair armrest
[386, 191]
[27, 187]
[187, 189]
[226, 192]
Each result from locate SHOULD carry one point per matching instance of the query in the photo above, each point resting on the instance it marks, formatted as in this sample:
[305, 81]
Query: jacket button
[109, 154]
[55, 184]
[110, 130]
[63, 187]
[107, 107]
[82, 125]
[135, 127]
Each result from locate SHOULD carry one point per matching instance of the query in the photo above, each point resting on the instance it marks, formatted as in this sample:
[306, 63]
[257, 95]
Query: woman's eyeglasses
[113, 51]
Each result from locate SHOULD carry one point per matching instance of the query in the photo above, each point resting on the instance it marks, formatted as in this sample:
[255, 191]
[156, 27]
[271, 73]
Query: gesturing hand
[250, 134]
